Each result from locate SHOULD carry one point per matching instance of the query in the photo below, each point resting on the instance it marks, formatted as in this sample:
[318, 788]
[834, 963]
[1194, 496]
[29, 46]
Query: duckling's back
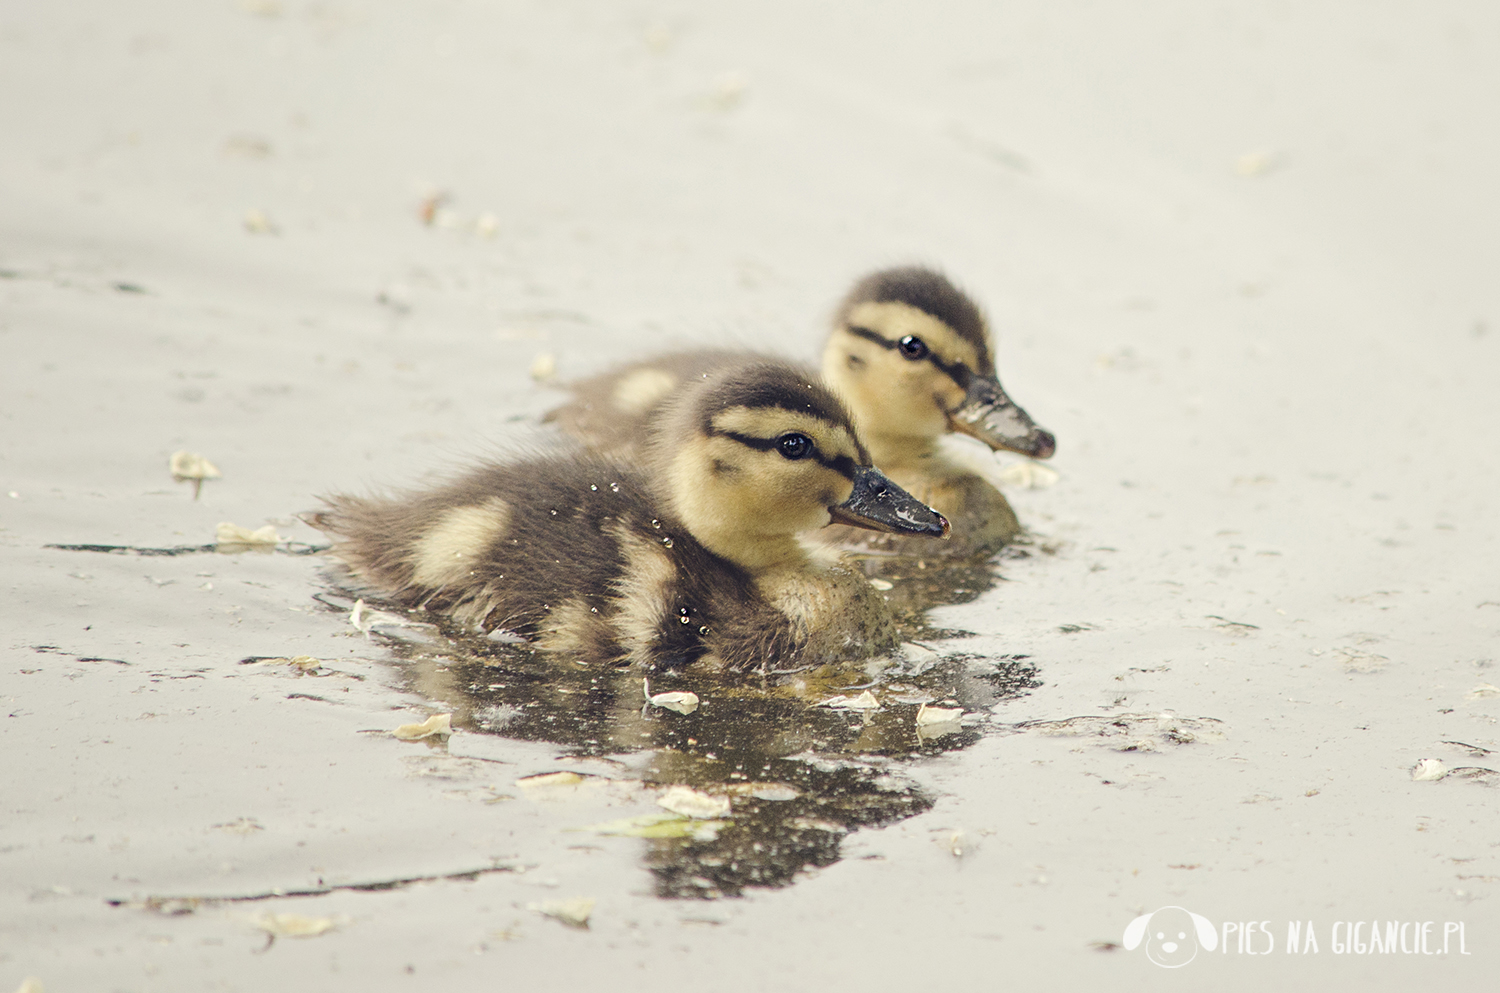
[614, 412]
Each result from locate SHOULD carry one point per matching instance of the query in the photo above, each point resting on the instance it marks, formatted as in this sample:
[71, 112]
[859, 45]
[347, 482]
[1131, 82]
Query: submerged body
[911, 354]
[692, 558]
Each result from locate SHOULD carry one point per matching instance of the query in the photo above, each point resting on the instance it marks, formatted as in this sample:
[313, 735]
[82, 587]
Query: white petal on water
[680, 701]
[550, 779]
[777, 792]
[1356, 660]
[1255, 163]
[937, 715]
[689, 802]
[574, 913]
[232, 537]
[882, 584]
[1428, 770]
[191, 465]
[259, 222]
[660, 826]
[1028, 475]
[438, 725]
[865, 701]
[293, 925]
[366, 619]
[544, 367]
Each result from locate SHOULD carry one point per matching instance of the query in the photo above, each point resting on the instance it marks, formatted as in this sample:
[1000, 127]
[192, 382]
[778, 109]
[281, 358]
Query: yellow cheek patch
[895, 321]
[639, 391]
[449, 550]
[770, 423]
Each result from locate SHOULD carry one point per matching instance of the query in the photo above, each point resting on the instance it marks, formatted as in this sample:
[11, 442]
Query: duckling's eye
[794, 446]
[912, 347]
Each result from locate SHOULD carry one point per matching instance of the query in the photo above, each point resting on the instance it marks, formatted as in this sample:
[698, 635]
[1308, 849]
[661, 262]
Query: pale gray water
[1241, 264]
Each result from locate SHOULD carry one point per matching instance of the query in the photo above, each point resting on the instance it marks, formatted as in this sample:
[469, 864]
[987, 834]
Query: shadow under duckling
[912, 356]
[691, 555]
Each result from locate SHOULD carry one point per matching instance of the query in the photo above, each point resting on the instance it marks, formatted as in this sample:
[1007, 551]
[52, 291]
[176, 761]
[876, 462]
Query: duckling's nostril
[1044, 446]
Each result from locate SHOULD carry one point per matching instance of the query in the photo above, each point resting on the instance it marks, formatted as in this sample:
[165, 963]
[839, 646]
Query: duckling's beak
[880, 505]
[992, 417]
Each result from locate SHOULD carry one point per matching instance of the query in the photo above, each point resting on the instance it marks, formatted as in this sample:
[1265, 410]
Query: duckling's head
[756, 454]
[911, 353]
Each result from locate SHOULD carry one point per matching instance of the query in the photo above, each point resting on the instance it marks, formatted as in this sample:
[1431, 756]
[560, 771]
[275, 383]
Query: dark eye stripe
[841, 464]
[956, 371]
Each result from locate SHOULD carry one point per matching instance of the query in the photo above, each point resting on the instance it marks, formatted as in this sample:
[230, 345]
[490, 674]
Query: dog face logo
[1172, 936]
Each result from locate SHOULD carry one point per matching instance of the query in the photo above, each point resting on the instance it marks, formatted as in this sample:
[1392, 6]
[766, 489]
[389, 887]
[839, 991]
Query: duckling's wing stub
[878, 504]
[988, 414]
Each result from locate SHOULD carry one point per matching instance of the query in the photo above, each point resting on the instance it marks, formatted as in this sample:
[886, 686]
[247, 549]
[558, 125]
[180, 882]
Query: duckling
[912, 356]
[689, 555]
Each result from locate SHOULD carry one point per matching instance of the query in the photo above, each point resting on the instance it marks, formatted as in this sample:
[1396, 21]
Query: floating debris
[550, 779]
[433, 202]
[1256, 163]
[302, 663]
[883, 585]
[1145, 731]
[259, 222]
[1475, 774]
[865, 701]
[544, 367]
[1428, 771]
[247, 146]
[729, 89]
[678, 701]
[240, 825]
[660, 826]
[232, 539]
[1482, 691]
[366, 619]
[190, 466]
[438, 725]
[689, 802]
[1355, 660]
[956, 843]
[658, 38]
[574, 913]
[937, 715]
[776, 792]
[1233, 627]
[293, 925]
[1027, 475]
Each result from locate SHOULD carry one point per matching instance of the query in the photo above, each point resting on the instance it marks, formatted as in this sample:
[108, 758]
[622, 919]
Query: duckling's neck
[899, 455]
[731, 521]
[757, 554]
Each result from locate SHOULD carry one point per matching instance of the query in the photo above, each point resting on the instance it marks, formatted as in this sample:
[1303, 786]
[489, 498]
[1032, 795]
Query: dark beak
[992, 417]
[880, 505]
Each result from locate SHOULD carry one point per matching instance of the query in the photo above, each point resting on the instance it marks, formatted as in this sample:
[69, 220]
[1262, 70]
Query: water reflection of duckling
[912, 356]
[694, 557]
